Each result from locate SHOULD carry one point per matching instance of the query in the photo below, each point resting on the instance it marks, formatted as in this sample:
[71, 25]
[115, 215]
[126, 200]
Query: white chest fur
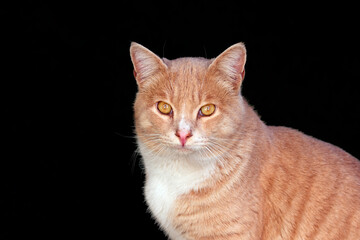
[167, 179]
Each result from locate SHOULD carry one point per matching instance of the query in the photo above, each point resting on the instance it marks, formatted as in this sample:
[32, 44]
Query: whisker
[124, 136]
[134, 158]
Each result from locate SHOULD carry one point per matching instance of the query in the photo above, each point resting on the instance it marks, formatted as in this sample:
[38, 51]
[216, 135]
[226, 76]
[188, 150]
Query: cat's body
[226, 175]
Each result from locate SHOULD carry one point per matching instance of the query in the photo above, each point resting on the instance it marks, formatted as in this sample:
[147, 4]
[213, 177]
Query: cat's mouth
[179, 147]
[183, 149]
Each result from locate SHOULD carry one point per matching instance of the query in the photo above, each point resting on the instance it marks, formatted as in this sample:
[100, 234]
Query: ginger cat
[214, 170]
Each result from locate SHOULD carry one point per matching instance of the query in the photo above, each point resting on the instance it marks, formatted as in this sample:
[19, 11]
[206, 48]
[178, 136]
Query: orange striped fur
[235, 177]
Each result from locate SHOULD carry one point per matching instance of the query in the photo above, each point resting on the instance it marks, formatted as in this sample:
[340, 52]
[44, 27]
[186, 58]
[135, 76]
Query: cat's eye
[207, 110]
[164, 107]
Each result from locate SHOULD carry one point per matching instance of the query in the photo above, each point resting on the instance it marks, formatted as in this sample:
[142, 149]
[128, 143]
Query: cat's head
[188, 105]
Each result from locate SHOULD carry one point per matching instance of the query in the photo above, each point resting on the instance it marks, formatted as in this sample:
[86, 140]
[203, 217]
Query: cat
[214, 170]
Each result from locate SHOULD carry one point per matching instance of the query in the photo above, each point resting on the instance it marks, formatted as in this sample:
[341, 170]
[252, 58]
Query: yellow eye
[164, 107]
[207, 110]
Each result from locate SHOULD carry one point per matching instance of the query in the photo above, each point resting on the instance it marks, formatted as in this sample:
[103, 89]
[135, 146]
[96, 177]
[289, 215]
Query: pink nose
[183, 135]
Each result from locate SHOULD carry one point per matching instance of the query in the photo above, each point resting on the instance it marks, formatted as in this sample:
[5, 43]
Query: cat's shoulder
[294, 136]
[301, 144]
[289, 136]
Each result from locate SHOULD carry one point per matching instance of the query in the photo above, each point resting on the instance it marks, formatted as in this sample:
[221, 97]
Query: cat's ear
[231, 63]
[146, 63]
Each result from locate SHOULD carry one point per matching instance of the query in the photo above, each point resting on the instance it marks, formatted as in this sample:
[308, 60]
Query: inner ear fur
[146, 63]
[231, 63]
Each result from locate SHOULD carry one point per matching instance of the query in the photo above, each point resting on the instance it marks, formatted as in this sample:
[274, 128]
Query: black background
[69, 167]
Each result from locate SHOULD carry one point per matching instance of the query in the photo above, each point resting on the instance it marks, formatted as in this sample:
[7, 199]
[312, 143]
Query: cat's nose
[183, 136]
